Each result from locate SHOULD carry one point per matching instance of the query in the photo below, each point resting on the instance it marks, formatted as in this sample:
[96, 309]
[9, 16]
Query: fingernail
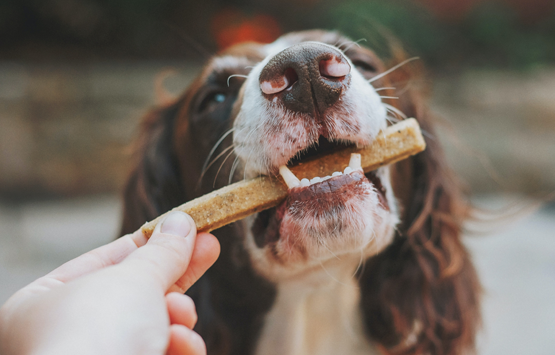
[176, 223]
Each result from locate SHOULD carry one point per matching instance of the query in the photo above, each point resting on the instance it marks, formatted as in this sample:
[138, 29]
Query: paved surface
[516, 264]
[37, 237]
[65, 128]
[502, 128]
[517, 269]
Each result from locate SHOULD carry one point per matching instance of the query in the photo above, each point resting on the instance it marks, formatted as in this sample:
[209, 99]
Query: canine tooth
[354, 163]
[337, 173]
[348, 170]
[305, 182]
[315, 180]
[290, 179]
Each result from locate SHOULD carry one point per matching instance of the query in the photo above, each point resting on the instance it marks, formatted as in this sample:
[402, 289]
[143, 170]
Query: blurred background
[76, 75]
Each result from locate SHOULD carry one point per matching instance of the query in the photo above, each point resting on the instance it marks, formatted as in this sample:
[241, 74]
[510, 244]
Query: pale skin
[123, 298]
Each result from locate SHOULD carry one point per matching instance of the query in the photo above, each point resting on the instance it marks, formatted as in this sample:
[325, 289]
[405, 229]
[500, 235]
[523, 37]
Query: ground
[515, 258]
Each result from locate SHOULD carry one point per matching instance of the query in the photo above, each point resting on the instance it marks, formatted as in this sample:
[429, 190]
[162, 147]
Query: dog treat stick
[241, 199]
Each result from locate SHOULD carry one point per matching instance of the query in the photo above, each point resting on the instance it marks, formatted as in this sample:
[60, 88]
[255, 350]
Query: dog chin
[346, 217]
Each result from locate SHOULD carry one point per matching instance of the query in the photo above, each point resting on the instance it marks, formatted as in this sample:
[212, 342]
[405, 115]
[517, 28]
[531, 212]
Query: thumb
[166, 255]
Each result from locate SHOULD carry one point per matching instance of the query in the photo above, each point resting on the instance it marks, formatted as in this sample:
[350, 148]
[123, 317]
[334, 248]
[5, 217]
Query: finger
[206, 252]
[167, 253]
[185, 341]
[181, 309]
[99, 258]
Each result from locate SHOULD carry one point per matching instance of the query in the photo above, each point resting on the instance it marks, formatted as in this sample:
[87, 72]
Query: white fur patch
[317, 313]
[316, 256]
[366, 229]
[267, 135]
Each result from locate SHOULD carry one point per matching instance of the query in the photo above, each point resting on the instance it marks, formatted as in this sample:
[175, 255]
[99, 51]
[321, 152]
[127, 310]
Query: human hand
[122, 298]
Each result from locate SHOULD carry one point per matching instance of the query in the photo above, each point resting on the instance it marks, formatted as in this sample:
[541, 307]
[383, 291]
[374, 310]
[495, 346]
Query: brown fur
[426, 274]
[422, 287]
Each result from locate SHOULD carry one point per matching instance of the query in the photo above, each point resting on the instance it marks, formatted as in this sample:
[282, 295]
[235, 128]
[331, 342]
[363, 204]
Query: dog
[376, 267]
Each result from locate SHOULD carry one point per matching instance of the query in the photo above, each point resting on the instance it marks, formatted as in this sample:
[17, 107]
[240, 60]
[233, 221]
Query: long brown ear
[154, 185]
[421, 295]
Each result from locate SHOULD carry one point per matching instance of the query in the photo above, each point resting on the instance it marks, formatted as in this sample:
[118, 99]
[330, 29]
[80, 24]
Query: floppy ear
[154, 185]
[421, 295]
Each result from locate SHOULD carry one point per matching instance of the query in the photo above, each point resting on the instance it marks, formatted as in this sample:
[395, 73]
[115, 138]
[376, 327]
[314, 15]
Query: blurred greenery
[374, 21]
[492, 34]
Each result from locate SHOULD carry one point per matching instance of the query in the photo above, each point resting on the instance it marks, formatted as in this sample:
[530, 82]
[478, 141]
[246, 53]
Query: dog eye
[212, 100]
[364, 67]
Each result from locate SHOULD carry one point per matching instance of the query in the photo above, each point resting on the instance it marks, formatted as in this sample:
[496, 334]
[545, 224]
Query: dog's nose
[307, 77]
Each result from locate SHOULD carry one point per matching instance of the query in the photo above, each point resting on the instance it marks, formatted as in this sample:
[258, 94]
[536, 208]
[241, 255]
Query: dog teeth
[290, 179]
[315, 180]
[355, 162]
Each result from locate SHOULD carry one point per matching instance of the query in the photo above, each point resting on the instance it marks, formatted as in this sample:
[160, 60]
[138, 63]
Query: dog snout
[307, 77]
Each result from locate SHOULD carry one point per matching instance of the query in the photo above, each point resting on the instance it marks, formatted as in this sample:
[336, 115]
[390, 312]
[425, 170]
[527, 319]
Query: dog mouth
[321, 147]
[320, 197]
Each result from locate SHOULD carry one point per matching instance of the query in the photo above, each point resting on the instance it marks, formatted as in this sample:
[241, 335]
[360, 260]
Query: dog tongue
[292, 181]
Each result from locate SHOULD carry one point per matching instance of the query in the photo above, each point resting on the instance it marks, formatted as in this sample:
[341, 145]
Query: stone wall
[504, 123]
[65, 129]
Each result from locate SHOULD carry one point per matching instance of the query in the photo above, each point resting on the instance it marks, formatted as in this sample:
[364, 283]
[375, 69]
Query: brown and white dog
[374, 266]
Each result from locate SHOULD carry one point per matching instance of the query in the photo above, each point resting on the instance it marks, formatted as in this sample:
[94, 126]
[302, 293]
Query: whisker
[221, 166]
[336, 44]
[235, 76]
[390, 97]
[392, 69]
[204, 166]
[427, 134]
[323, 243]
[362, 268]
[385, 88]
[391, 119]
[395, 110]
[405, 88]
[359, 262]
[355, 43]
[213, 161]
[233, 167]
[331, 276]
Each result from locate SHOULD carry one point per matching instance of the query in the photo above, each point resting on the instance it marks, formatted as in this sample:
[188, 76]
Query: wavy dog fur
[418, 296]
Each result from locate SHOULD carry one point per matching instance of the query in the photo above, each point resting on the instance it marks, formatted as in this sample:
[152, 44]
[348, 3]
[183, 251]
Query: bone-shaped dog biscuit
[241, 199]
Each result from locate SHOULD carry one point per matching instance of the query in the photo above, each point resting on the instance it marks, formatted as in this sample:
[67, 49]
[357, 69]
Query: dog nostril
[280, 83]
[291, 76]
[274, 86]
[306, 77]
[334, 68]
